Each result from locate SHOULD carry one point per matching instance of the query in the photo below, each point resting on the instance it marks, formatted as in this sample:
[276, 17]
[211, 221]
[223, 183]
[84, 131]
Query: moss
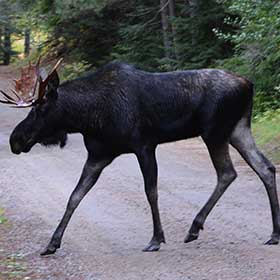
[3, 219]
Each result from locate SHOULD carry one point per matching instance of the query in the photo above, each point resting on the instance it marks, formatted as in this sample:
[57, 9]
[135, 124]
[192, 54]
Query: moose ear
[52, 84]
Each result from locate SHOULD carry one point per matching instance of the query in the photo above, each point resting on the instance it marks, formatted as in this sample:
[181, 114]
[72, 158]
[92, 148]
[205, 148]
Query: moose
[120, 109]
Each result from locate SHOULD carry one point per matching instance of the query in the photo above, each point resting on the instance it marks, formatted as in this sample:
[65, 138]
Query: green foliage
[74, 70]
[196, 44]
[266, 130]
[140, 38]
[13, 267]
[99, 31]
[257, 52]
[264, 102]
[3, 219]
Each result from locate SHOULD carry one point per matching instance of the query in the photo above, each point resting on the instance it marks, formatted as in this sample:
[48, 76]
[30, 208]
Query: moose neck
[75, 113]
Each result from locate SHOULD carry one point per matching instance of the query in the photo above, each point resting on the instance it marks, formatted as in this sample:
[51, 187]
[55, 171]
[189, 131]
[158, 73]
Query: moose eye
[42, 108]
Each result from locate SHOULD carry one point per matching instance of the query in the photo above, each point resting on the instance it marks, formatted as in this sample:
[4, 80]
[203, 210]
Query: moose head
[38, 90]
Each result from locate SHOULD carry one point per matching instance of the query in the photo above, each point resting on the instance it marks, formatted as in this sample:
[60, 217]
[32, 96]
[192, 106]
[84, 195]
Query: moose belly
[173, 130]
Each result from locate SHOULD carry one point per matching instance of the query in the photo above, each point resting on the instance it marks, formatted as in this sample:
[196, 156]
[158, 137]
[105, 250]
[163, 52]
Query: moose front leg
[90, 174]
[147, 161]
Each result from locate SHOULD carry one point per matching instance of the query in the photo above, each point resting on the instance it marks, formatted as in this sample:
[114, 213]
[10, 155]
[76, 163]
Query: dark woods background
[157, 35]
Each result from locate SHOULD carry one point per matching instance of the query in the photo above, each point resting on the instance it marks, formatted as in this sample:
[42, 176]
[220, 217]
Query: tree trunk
[7, 45]
[172, 14]
[192, 6]
[165, 27]
[26, 42]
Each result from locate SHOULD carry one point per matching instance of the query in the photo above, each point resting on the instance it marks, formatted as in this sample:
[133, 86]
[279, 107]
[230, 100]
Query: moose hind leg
[243, 142]
[225, 176]
[147, 161]
[90, 175]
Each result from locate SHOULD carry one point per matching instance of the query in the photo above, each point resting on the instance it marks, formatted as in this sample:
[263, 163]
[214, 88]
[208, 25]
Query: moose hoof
[152, 247]
[50, 250]
[273, 241]
[154, 244]
[191, 237]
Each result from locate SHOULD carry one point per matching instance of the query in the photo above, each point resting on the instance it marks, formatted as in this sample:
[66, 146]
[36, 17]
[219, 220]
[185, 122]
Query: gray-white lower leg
[89, 176]
[243, 141]
[148, 165]
[225, 175]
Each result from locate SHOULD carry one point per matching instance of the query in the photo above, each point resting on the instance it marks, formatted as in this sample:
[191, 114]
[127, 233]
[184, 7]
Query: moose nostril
[15, 144]
[15, 147]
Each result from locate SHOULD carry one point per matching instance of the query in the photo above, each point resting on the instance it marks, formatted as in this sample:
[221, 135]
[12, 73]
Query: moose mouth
[28, 146]
[18, 147]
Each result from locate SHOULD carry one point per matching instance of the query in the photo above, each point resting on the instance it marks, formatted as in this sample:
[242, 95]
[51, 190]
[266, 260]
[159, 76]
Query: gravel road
[113, 223]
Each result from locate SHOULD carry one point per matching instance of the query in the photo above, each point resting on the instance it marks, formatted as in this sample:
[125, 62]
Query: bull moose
[119, 109]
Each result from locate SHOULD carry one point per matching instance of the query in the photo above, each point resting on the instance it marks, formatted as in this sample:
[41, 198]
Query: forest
[163, 35]
[105, 239]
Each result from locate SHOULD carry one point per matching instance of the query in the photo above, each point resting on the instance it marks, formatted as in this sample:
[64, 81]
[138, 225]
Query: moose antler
[24, 94]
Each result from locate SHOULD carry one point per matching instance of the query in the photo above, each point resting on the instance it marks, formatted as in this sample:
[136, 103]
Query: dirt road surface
[113, 223]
